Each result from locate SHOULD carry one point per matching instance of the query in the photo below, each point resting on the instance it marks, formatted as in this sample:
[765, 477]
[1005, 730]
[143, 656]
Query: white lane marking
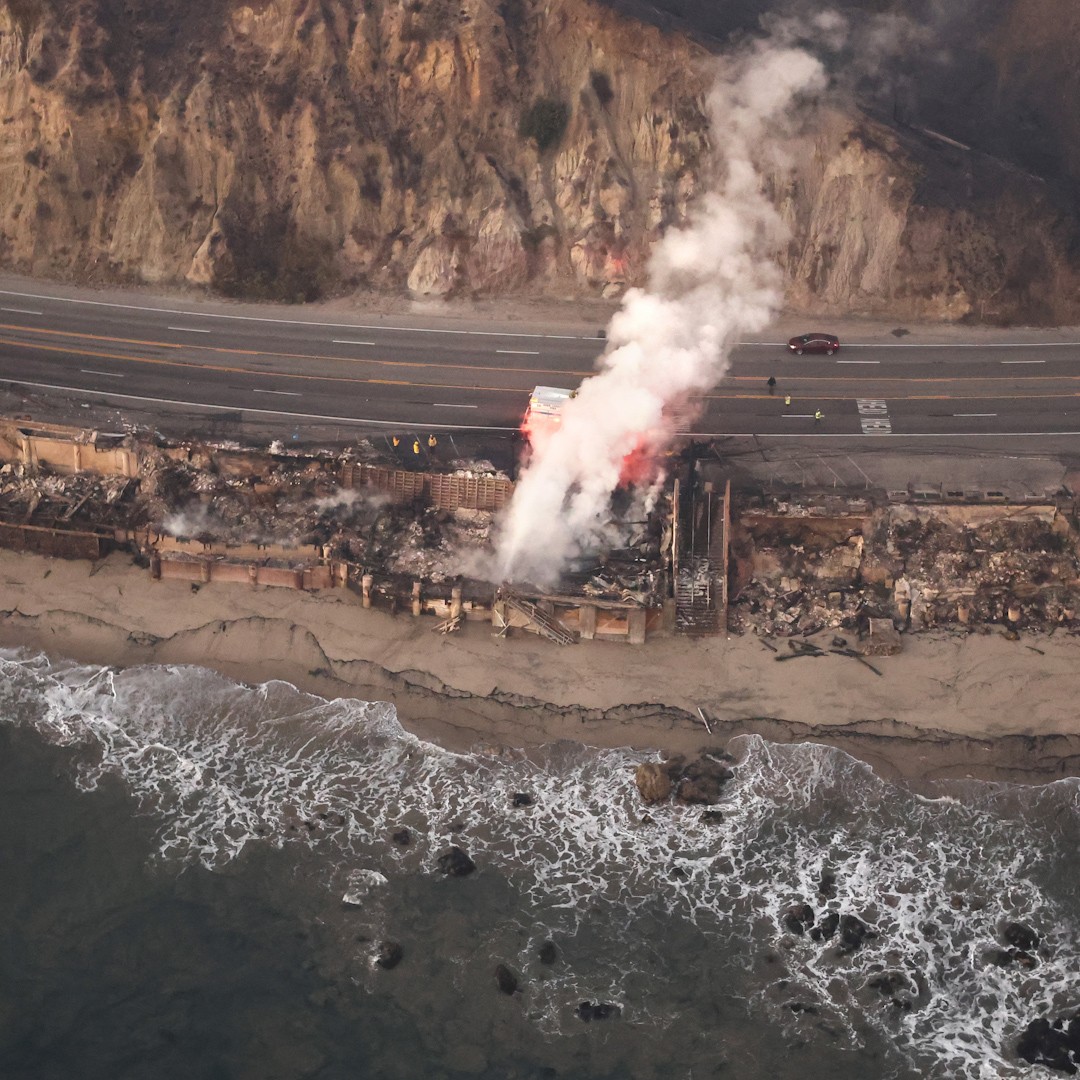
[342, 341]
[189, 330]
[799, 415]
[486, 427]
[974, 414]
[279, 412]
[874, 416]
[313, 323]
[20, 311]
[518, 352]
[107, 374]
[451, 405]
[280, 393]
[858, 361]
[1023, 361]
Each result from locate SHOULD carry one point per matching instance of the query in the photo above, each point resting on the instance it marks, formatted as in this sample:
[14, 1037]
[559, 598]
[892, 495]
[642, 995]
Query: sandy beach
[949, 706]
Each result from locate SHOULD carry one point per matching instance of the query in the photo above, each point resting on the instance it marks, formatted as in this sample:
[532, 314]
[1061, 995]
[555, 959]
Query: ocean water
[175, 849]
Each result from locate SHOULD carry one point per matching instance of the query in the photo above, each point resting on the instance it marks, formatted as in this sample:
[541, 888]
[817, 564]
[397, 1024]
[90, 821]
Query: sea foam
[220, 766]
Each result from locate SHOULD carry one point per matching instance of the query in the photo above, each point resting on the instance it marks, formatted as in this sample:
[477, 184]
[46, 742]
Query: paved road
[385, 373]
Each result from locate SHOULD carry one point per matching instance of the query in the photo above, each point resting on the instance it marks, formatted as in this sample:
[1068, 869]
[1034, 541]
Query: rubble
[800, 570]
[406, 540]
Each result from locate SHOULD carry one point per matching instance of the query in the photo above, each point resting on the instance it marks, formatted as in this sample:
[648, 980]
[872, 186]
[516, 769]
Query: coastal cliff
[288, 151]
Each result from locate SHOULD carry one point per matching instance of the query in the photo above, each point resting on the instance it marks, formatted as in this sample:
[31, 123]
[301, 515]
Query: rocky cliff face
[281, 148]
[285, 148]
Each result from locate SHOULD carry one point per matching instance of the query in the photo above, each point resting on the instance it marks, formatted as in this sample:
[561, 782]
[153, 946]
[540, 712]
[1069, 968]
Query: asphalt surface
[303, 369]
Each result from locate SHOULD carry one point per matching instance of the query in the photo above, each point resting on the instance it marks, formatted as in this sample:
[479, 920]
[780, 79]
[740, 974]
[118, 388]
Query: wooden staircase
[701, 599]
[538, 621]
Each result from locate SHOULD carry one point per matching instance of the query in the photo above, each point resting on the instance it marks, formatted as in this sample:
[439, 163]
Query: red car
[804, 343]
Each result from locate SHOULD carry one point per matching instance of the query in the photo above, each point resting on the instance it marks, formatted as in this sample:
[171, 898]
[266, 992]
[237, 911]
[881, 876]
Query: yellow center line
[373, 361]
[226, 369]
[866, 387]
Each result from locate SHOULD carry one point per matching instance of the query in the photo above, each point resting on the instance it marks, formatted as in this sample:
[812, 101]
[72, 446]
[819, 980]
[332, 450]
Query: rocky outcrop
[1055, 1045]
[699, 781]
[455, 863]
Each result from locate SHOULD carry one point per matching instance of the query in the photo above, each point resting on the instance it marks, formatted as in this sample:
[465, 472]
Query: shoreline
[950, 706]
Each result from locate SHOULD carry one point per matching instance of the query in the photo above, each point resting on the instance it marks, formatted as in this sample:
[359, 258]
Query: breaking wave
[219, 766]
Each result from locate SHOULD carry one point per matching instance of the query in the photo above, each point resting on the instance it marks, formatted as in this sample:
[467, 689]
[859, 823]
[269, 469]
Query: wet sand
[949, 706]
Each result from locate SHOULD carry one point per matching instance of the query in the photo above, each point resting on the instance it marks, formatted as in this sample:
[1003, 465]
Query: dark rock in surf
[548, 953]
[403, 838]
[1055, 1045]
[712, 817]
[827, 884]
[455, 863]
[521, 798]
[798, 918]
[597, 1010]
[506, 980]
[999, 957]
[853, 932]
[901, 990]
[826, 928]
[653, 782]
[702, 781]
[389, 955]
[1021, 936]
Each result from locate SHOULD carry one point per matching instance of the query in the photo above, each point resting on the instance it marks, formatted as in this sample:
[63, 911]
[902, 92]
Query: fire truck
[543, 418]
[544, 414]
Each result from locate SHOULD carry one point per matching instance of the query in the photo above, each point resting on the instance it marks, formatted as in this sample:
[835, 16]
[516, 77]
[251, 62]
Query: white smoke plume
[709, 282]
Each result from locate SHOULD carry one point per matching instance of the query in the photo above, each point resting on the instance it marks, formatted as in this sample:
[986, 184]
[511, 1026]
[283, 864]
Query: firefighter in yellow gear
[432, 442]
[416, 446]
[396, 440]
[818, 416]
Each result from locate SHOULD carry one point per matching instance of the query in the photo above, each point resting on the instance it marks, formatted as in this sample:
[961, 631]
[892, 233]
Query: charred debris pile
[361, 510]
[795, 565]
[802, 567]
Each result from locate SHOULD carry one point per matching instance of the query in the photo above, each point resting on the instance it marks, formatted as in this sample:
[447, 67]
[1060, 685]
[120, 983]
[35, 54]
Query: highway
[139, 355]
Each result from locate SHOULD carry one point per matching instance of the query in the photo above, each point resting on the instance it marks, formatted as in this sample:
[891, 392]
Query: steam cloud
[709, 282]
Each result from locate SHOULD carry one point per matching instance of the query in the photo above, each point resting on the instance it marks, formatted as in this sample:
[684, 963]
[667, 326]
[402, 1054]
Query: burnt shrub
[545, 123]
[601, 85]
[271, 260]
